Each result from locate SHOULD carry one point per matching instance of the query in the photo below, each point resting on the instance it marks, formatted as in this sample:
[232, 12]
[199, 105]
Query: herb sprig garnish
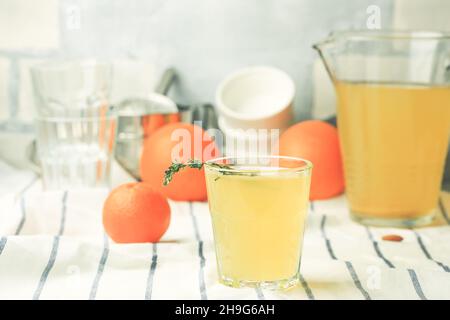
[192, 163]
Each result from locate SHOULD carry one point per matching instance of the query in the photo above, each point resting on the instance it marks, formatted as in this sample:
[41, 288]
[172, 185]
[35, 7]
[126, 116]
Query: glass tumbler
[75, 123]
[258, 209]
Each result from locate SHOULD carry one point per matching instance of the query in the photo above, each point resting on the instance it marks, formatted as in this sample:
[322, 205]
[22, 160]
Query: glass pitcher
[393, 113]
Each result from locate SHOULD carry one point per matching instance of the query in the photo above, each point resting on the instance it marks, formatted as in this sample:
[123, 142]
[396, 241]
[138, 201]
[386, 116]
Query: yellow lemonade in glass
[394, 140]
[258, 214]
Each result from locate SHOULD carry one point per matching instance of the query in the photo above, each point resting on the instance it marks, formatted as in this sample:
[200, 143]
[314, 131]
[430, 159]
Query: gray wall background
[203, 39]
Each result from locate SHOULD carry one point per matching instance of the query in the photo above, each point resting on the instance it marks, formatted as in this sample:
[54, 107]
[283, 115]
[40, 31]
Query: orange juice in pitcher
[395, 163]
[393, 115]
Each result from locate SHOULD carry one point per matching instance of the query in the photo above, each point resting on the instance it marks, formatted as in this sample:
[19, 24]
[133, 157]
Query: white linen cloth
[52, 246]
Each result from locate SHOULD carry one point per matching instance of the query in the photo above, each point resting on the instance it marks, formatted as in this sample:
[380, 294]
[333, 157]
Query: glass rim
[392, 34]
[305, 167]
[383, 34]
[59, 65]
[69, 118]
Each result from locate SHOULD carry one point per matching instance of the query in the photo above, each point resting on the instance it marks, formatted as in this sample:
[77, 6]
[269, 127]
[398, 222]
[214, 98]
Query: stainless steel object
[205, 113]
[138, 118]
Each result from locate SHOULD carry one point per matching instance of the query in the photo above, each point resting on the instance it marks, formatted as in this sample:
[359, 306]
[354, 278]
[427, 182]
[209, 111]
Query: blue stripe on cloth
[22, 194]
[427, 253]
[377, 249]
[22, 215]
[151, 273]
[54, 251]
[444, 211]
[29, 184]
[306, 287]
[416, 284]
[100, 268]
[201, 275]
[48, 268]
[311, 206]
[63, 214]
[348, 264]
[356, 280]
[260, 293]
[327, 241]
[3, 241]
[412, 274]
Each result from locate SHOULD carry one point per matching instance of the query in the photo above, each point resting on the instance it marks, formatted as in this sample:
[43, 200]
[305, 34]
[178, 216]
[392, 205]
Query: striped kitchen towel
[52, 246]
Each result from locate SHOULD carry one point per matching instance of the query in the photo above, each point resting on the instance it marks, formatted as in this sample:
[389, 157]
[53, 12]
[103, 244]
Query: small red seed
[392, 237]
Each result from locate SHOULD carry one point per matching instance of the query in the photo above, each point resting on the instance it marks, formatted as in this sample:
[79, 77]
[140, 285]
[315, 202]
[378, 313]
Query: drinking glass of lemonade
[258, 207]
[393, 114]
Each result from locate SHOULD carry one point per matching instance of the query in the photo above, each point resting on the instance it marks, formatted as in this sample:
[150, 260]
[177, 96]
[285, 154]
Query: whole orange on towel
[135, 212]
[177, 142]
[318, 142]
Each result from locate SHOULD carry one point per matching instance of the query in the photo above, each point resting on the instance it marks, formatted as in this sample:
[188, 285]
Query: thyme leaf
[177, 166]
[192, 163]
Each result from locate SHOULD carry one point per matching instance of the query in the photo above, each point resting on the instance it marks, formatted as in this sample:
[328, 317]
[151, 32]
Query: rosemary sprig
[192, 163]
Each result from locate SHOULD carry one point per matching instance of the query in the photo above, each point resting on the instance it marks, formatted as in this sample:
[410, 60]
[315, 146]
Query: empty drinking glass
[75, 123]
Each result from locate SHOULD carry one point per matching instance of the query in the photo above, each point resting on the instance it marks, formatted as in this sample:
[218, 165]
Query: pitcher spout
[324, 48]
[381, 56]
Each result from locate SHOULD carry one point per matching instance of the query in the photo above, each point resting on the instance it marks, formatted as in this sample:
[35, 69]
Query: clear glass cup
[258, 208]
[393, 115]
[75, 123]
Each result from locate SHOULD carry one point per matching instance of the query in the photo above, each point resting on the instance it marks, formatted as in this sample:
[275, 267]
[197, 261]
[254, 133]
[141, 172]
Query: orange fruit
[177, 142]
[135, 212]
[152, 122]
[318, 142]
